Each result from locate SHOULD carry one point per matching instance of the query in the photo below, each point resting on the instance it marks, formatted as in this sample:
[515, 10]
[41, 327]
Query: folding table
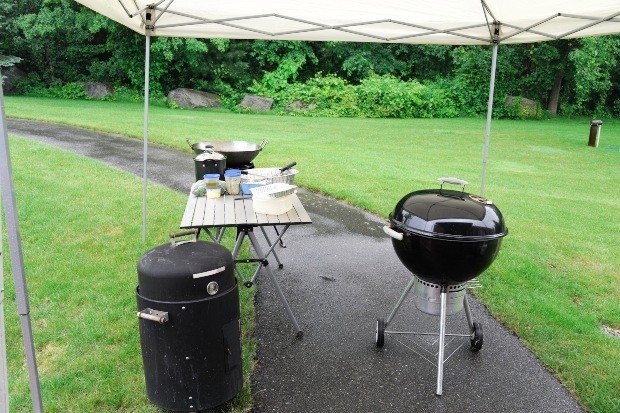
[237, 211]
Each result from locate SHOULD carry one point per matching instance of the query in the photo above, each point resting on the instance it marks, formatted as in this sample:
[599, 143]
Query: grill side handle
[392, 233]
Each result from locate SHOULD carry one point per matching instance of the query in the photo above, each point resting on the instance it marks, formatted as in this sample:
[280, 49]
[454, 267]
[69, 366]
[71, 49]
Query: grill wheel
[476, 341]
[380, 332]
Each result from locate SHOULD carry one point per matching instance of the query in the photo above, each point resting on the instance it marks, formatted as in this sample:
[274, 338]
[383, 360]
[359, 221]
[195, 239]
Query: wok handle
[263, 144]
[453, 181]
[287, 167]
[392, 233]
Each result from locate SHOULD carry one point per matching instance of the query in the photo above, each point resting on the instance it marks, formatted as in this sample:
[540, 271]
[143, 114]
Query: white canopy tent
[455, 22]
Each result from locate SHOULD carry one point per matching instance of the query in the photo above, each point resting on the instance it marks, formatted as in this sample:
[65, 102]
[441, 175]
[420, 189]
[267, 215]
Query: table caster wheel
[380, 333]
[248, 284]
[280, 266]
[475, 343]
[299, 334]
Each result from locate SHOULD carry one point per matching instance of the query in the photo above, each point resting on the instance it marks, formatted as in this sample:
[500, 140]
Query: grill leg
[442, 340]
[470, 322]
[259, 253]
[400, 300]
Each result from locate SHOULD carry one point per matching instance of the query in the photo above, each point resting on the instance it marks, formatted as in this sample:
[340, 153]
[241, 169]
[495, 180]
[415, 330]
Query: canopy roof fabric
[391, 21]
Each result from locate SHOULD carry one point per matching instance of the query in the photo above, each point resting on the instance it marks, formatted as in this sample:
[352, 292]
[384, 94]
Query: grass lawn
[81, 229]
[556, 282]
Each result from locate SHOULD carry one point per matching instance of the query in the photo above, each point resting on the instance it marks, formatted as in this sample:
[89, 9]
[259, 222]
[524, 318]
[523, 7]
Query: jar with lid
[232, 178]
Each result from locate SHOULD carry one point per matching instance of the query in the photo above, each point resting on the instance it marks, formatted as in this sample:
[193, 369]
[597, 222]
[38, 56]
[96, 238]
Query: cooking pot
[446, 236]
[238, 153]
[209, 162]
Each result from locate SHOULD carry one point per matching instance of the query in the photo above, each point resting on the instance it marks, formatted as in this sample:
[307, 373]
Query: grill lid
[448, 214]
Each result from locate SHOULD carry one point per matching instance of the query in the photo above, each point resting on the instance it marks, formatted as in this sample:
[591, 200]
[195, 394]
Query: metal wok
[237, 153]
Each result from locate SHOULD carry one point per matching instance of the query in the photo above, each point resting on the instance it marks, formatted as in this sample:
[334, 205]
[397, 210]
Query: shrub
[387, 96]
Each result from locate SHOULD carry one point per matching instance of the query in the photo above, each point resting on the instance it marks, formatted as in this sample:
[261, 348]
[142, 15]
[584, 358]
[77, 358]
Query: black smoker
[445, 238]
[188, 304]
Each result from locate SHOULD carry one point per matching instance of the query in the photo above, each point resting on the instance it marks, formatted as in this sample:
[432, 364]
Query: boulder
[98, 90]
[527, 108]
[10, 76]
[299, 105]
[257, 103]
[192, 99]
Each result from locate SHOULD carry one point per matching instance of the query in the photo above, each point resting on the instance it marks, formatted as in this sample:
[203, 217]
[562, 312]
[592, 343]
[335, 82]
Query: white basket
[272, 206]
[273, 175]
[273, 190]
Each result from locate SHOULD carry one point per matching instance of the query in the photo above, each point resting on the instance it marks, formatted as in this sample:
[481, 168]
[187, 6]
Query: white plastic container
[214, 193]
[272, 206]
[273, 190]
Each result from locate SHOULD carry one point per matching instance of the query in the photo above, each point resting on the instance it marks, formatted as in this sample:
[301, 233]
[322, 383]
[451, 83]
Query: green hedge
[375, 97]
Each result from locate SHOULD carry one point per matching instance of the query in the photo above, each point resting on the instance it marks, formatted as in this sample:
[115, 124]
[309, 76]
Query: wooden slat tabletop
[227, 211]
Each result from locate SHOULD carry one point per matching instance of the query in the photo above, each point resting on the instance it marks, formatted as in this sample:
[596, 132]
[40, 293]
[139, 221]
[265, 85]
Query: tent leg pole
[4, 380]
[147, 63]
[487, 137]
[17, 259]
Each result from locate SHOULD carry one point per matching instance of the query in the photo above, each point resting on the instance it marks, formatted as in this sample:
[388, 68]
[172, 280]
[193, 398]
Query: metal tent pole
[4, 381]
[17, 260]
[487, 138]
[147, 63]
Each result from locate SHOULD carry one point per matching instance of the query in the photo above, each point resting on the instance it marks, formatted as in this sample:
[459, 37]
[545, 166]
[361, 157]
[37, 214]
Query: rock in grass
[98, 90]
[10, 76]
[257, 103]
[192, 99]
[299, 105]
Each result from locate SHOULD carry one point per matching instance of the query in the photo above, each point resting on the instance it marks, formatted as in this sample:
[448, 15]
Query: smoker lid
[184, 271]
[448, 214]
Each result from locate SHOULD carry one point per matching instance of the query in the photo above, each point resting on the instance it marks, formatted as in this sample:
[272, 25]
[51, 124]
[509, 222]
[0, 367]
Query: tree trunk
[554, 95]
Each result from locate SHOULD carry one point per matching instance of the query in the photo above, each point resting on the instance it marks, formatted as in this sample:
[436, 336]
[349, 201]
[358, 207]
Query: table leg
[270, 250]
[220, 234]
[260, 254]
[211, 235]
[235, 253]
[280, 265]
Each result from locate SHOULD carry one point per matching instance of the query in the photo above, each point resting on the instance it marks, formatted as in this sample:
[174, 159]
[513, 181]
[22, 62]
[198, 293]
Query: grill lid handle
[392, 233]
[453, 181]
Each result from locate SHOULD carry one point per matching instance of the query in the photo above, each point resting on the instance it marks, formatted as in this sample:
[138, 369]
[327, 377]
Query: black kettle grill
[445, 238]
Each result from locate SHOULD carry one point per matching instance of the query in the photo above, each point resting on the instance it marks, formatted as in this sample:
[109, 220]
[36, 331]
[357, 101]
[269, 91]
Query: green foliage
[595, 62]
[286, 60]
[71, 90]
[61, 41]
[375, 97]
[520, 110]
[388, 97]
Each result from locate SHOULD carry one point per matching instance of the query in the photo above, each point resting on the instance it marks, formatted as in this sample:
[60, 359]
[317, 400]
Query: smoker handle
[189, 143]
[453, 181]
[174, 235]
[392, 233]
[154, 315]
[263, 144]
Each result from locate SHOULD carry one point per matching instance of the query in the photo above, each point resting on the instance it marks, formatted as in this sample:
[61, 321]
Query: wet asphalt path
[339, 275]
